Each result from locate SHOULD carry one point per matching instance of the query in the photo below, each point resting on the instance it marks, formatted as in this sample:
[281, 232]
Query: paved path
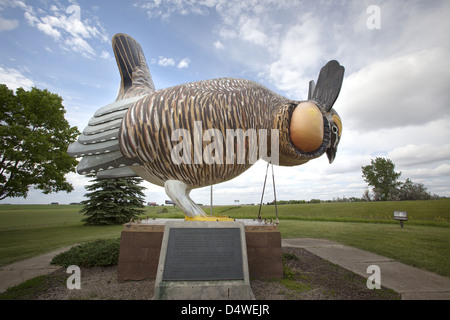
[412, 283]
[21, 271]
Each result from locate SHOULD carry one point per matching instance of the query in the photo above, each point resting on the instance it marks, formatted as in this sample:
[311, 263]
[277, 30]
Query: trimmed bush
[100, 253]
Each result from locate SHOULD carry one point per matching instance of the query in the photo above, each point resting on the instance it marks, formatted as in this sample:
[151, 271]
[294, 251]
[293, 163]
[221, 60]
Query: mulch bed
[307, 277]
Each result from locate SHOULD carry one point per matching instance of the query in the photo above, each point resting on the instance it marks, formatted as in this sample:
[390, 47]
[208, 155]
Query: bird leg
[179, 191]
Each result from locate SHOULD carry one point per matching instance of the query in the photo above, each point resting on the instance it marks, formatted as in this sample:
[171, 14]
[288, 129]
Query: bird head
[313, 127]
[310, 124]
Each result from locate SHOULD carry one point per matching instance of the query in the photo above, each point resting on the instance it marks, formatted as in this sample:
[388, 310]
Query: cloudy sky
[394, 102]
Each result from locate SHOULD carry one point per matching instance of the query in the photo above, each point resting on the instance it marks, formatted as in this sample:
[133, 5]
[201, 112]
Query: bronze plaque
[204, 254]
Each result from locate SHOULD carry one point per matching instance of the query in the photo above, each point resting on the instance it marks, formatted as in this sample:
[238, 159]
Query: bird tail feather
[135, 75]
[328, 86]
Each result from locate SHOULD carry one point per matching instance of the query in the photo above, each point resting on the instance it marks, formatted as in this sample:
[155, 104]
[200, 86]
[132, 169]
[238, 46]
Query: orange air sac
[307, 127]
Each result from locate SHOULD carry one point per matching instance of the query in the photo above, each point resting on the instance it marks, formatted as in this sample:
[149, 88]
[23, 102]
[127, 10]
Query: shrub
[95, 253]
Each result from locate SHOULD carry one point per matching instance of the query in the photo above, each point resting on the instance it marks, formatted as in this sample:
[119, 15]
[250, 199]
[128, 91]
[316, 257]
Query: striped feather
[135, 75]
[220, 104]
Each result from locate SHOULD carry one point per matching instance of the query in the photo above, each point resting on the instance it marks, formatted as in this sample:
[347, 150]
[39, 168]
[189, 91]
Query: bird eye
[334, 129]
[338, 123]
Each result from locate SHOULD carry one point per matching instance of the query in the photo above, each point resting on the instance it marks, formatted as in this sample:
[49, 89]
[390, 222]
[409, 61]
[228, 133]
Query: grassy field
[432, 213]
[29, 230]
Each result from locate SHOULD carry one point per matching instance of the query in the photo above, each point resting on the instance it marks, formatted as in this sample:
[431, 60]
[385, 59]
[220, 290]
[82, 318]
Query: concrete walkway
[21, 271]
[412, 283]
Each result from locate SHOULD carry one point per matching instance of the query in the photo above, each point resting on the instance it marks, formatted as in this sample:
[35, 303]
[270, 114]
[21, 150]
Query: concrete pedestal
[140, 248]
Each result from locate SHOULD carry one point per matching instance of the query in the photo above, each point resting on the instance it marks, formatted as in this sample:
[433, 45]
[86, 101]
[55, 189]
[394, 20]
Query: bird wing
[98, 145]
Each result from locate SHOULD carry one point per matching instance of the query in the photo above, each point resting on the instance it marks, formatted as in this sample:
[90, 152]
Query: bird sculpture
[175, 137]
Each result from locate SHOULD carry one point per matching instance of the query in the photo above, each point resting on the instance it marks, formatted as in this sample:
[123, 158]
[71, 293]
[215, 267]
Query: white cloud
[165, 9]
[170, 62]
[80, 45]
[412, 89]
[15, 79]
[300, 49]
[106, 55]
[49, 30]
[411, 154]
[218, 45]
[164, 62]
[67, 28]
[8, 25]
[184, 63]
[251, 30]
[78, 181]
[31, 18]
[443, 170]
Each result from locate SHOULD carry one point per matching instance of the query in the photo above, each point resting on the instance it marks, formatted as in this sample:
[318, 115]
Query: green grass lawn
[27, 231]
[30, 230]
[433, 212]
[425, 247]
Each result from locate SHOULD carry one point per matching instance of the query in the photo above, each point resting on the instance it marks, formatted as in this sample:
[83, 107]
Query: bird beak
[336, 129]
[331, 154]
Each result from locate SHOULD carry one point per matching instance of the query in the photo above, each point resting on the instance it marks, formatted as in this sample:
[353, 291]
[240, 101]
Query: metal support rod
[262, 195]
[274, 193]
[211, 203]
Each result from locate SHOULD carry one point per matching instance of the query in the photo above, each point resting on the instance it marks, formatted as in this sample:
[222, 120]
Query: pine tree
[113, 201]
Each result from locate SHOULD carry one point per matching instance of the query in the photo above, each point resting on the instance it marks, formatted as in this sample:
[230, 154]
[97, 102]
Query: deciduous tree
[381, 175]
[413, 191]
[34, 136]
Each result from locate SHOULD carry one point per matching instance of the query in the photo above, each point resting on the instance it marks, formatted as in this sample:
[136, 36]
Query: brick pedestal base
[140, 246]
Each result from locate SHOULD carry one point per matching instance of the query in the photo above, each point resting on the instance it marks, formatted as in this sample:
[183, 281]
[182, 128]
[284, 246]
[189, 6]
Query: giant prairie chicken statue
[202, 133]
